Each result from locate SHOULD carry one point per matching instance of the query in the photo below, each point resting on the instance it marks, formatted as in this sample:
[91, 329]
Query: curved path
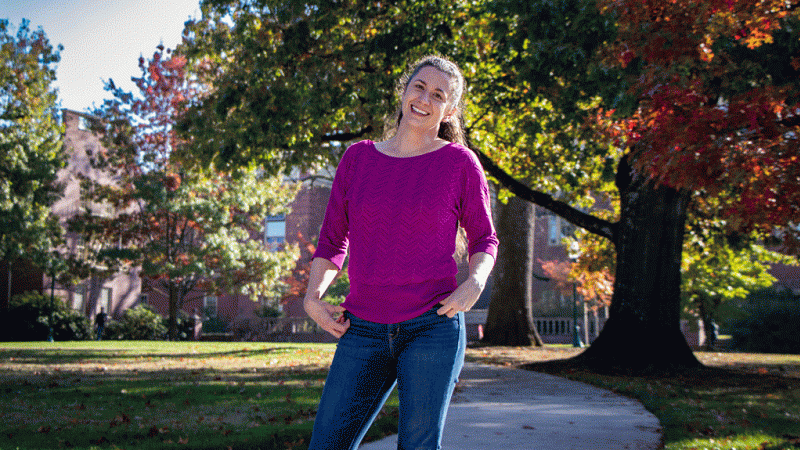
[513, 409]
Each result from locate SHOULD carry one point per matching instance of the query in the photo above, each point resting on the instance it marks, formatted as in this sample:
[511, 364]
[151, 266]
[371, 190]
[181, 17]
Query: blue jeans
[422, 356]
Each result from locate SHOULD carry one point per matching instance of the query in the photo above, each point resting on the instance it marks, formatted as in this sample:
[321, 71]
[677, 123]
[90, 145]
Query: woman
[397, 205]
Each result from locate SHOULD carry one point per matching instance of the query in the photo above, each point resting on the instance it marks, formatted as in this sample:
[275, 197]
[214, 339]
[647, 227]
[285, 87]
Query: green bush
[138, 323]
[339, 289]
[185, 324]
[29, 316]
[213, 323]
[770, 324]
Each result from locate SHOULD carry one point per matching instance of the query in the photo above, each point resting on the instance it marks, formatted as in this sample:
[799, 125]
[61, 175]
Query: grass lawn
[155, 395]
[739, 401]
[188, 395]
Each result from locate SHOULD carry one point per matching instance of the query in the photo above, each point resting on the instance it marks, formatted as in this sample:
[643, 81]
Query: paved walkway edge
[514, 409]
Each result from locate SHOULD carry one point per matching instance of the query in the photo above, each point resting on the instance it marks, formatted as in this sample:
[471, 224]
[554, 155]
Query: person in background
[100, 322]
[396, 206]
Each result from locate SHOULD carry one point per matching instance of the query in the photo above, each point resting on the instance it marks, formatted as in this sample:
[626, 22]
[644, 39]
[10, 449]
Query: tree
[720, 268]
[567, 98]
[687, 122]
[30, 146]
[513, 272]
[294, 81]
[188, 229]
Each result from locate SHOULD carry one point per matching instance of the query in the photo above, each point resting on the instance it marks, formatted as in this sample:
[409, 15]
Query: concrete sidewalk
[512, 409]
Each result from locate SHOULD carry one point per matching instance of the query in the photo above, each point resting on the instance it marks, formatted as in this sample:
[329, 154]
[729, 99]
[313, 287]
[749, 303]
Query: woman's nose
[426, 97]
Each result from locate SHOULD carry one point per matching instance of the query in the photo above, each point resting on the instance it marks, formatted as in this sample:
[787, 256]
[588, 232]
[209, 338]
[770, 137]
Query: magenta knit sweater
[399, 218]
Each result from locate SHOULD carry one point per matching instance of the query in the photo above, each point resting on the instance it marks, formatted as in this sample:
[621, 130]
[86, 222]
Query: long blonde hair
[450, 130]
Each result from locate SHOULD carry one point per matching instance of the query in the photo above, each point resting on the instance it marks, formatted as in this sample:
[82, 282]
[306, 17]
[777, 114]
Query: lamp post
[576, 338]
[52, 306]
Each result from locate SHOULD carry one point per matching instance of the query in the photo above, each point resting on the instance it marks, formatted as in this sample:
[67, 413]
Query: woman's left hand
[462, 299]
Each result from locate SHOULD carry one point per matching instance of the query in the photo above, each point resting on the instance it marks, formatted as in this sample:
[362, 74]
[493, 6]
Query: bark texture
[643, 330]
[508, 321]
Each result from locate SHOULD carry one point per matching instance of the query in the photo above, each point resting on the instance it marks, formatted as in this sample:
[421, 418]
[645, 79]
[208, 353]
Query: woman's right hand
[327, 316]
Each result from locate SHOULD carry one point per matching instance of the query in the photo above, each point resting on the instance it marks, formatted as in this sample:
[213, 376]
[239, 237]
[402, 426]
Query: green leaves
[290, 86]
[188, 228]
[30, 145]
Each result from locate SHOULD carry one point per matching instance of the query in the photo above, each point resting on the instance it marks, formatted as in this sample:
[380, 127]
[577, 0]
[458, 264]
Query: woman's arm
[324, 314]
[466, 295]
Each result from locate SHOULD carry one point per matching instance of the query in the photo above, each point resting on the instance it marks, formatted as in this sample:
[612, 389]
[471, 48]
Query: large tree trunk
[508, 321]
[643, 330]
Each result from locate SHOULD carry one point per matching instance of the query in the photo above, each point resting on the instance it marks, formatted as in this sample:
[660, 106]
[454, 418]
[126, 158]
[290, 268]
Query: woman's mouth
[419, 111]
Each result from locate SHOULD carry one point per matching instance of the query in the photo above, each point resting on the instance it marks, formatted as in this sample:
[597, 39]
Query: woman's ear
[450, 114]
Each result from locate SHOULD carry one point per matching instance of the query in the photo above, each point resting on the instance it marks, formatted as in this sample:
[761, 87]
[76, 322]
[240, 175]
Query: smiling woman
[402, 323]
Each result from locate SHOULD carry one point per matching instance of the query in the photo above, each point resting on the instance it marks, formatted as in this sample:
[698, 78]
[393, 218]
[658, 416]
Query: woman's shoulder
[352, 152]
[460, 153]
[360, 146]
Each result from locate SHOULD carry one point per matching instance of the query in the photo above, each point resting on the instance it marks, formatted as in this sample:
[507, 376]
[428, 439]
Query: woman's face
[428, 101]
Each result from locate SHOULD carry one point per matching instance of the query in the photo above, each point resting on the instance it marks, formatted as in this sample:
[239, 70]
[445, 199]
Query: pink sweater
[399, 218]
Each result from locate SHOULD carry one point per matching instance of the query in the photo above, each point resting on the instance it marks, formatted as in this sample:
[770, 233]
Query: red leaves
[690, 132]
[172, 181]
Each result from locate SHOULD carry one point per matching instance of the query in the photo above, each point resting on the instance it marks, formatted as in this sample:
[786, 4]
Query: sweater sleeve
[333, 237]
[475, 209]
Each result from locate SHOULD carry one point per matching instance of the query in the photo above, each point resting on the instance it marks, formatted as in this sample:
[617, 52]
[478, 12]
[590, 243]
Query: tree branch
[343, 137]
[575, 216]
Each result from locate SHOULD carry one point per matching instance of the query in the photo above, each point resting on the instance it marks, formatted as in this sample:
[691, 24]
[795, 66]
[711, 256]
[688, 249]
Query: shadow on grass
[72, 356]
[707, 403]
[48, 399]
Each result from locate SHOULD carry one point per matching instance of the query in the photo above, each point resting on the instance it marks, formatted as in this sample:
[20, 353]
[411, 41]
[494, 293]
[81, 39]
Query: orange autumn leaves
[716, 85]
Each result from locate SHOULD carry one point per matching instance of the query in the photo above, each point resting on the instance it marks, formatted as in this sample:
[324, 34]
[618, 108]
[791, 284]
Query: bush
[29, 314]
[185, 324]
[138, 323]
[339, 289]
[770, 325]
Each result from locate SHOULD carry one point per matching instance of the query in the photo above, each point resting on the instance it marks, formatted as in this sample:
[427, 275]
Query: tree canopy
[657, 103]
[30, 145]
[191, 231]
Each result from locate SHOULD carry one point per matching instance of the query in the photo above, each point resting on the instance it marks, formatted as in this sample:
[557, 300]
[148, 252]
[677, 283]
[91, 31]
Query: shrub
[212, 323]
[137, 323]
[29, 315]
[770, 324]
[185, 323]
[339, 289]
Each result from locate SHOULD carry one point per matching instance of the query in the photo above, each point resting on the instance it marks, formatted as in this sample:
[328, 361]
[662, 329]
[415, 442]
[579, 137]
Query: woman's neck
[409, 142]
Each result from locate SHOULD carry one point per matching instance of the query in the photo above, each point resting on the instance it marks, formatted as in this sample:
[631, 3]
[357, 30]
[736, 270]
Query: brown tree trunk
[643, 330]
[508, 320]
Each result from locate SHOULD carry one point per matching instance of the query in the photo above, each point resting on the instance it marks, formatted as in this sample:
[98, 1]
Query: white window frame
[274, 231]
[105, 299]
[79, 298]
[211, 305]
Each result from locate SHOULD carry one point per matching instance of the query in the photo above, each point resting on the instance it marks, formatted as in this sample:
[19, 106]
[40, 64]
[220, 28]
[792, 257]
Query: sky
[102, 39]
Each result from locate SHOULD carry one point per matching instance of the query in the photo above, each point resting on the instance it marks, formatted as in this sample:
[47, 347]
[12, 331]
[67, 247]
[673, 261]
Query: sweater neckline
[375, 149]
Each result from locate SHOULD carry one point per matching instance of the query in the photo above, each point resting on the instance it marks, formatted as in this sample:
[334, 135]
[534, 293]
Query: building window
[210, 305]
[143, 299]
[274, 231]
[83, 123]
[558, 229]
[105, 298]
[79, 298]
